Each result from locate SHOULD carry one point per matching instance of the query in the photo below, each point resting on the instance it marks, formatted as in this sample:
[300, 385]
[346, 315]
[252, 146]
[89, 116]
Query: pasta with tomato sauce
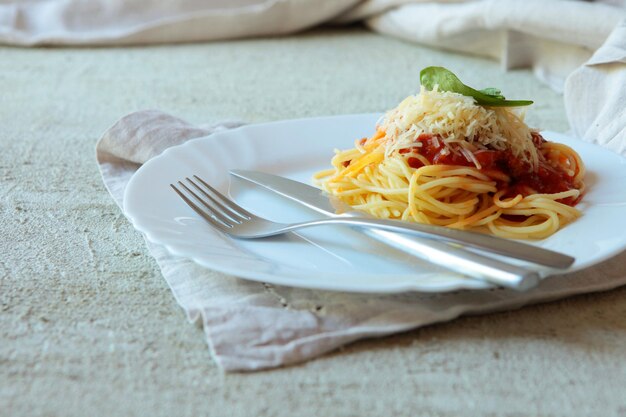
[439, 158]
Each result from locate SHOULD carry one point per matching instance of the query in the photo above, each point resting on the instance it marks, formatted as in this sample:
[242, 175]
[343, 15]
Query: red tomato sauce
[547, 179]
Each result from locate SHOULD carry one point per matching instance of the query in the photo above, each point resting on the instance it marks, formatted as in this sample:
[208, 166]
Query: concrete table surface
[89, 327]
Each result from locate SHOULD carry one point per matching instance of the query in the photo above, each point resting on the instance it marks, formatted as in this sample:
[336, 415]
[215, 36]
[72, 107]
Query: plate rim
[460, 283]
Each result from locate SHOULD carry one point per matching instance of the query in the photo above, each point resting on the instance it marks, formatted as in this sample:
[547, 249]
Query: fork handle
[505, 247]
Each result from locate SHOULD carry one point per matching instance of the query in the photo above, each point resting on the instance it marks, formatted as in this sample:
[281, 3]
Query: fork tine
[235, 208]
[218, 224]
[216, 212]
[217, 202]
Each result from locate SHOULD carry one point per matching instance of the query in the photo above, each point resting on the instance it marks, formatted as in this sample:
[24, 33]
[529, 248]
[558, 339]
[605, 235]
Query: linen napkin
[251, 325]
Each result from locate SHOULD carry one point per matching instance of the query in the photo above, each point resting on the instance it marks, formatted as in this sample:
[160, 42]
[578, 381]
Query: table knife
[452, 257]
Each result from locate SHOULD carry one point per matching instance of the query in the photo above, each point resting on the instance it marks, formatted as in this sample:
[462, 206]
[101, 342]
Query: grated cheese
[455, 118]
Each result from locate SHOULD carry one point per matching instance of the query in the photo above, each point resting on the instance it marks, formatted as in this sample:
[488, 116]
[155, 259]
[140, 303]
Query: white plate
[332, 257]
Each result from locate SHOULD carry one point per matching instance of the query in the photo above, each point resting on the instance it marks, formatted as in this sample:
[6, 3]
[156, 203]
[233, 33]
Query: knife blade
[449, 256]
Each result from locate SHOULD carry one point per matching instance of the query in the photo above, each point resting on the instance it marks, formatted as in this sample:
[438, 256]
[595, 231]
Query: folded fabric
[595, 95]
[553, 37]
[120, 22]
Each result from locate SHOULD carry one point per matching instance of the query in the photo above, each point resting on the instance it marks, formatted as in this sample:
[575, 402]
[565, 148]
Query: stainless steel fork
[234, 220]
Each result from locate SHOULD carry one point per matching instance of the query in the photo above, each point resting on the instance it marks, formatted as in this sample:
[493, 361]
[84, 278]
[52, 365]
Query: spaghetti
[439, 158]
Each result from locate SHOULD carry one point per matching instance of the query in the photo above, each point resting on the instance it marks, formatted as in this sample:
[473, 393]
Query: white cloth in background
[251, 326]
[551, 36]
[125, 22]
[595, 95]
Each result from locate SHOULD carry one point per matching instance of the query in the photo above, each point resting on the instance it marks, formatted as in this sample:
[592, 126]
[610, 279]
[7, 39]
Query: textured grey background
[88, 326]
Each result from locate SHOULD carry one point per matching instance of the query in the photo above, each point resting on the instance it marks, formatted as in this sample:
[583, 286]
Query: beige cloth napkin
[551, 36]
[250, 325]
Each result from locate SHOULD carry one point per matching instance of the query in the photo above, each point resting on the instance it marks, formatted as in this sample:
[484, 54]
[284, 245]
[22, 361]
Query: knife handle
[497, 245]
[457, 259]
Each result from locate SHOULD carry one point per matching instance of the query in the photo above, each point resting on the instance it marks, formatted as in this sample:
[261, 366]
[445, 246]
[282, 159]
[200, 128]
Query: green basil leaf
[447, 81]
